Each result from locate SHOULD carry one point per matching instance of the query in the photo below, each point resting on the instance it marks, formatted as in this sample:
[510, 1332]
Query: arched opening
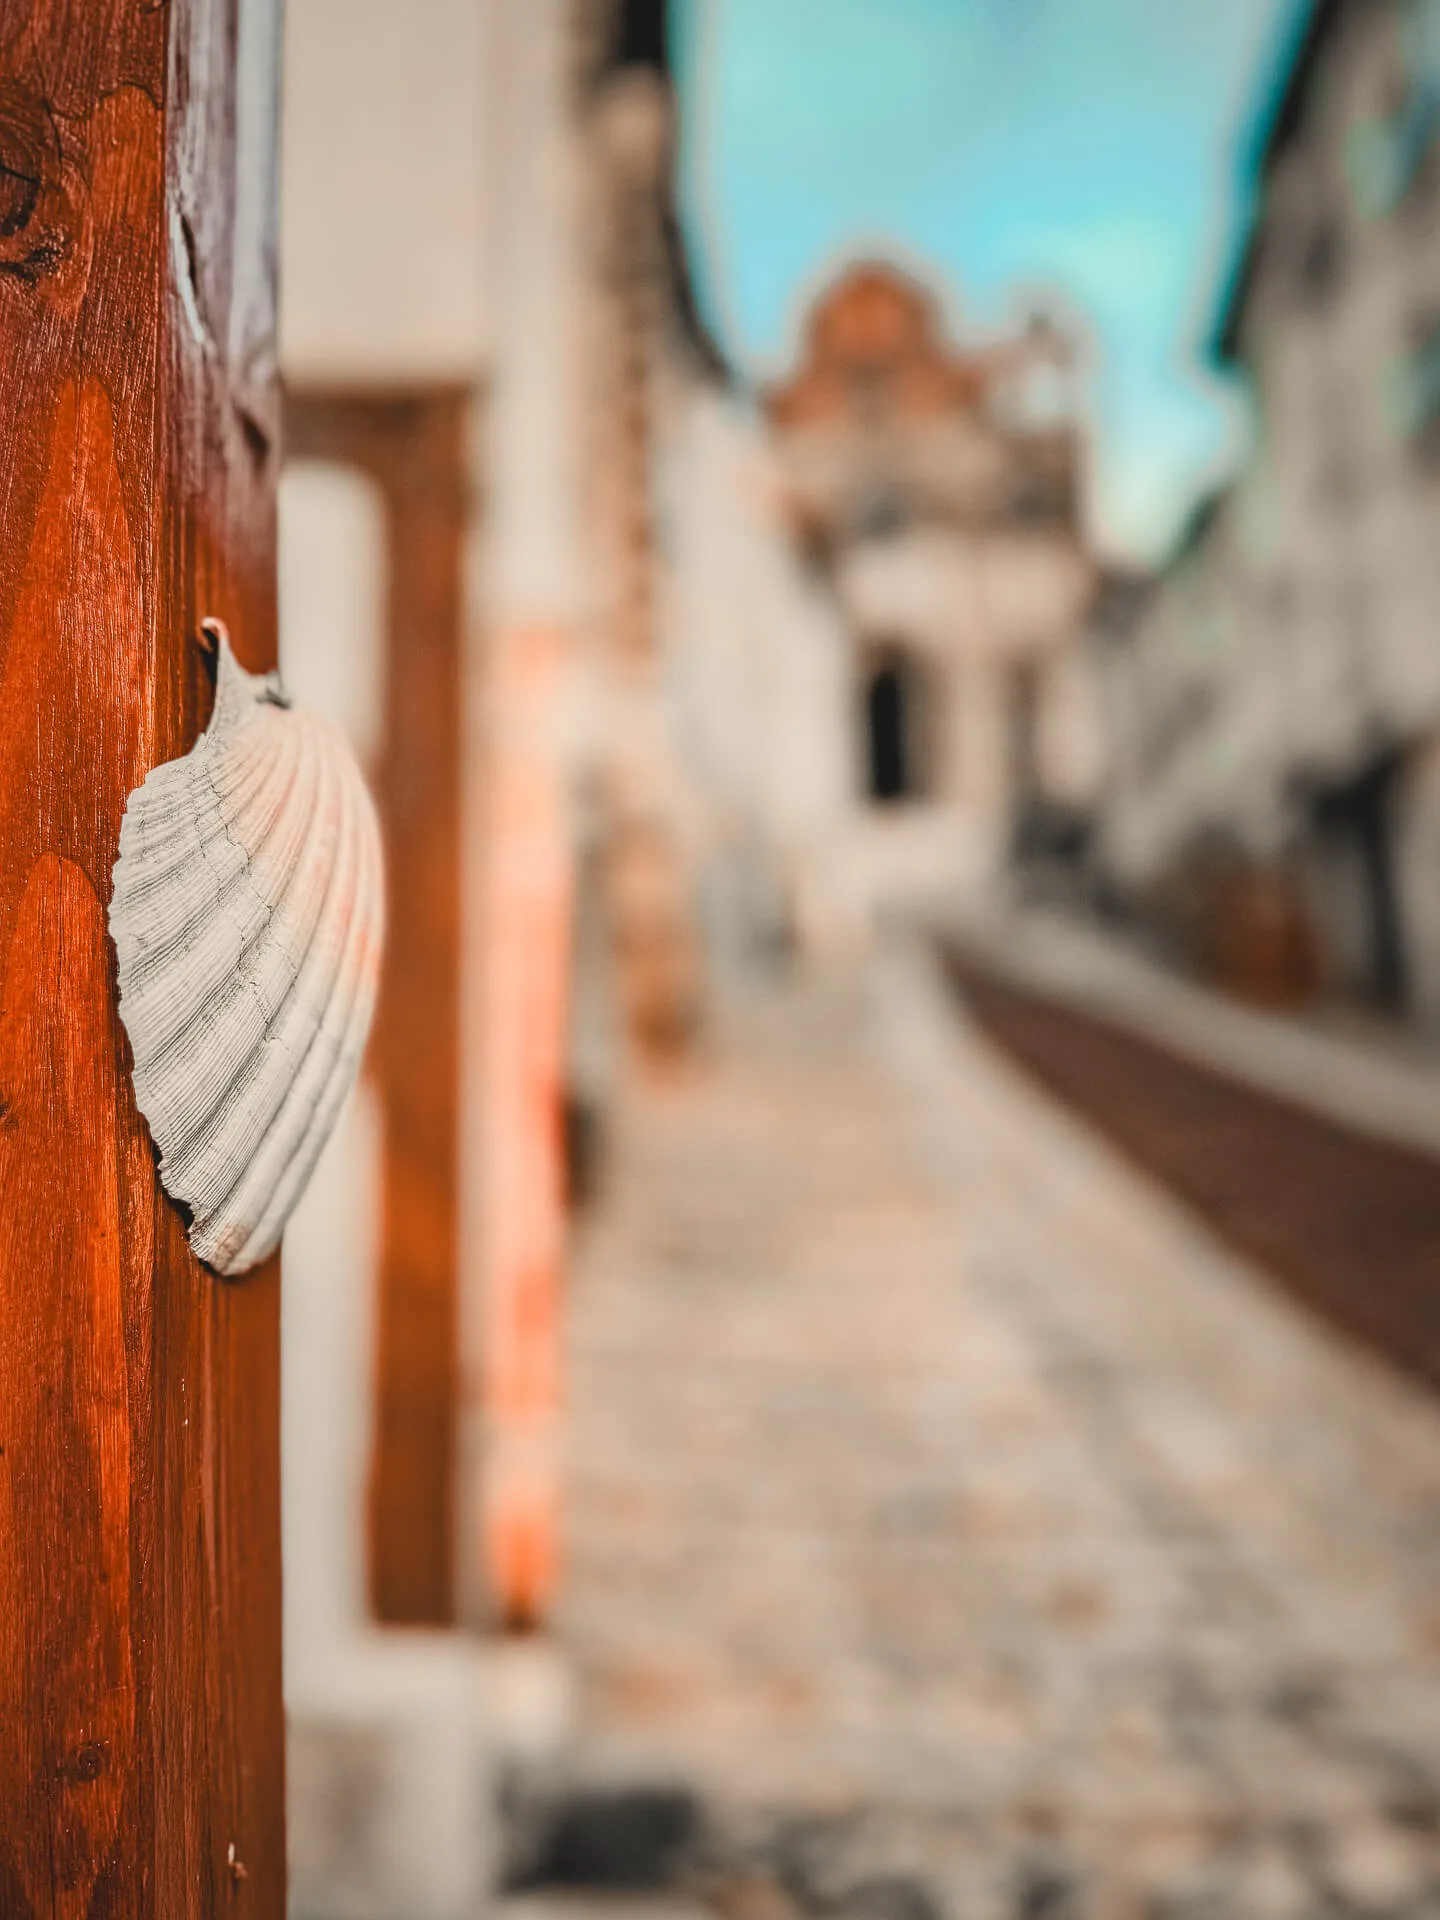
[895, 729]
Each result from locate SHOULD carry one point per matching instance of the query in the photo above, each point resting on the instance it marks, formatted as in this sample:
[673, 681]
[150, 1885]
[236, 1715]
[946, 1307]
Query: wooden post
[411, 441]
[141, 1732]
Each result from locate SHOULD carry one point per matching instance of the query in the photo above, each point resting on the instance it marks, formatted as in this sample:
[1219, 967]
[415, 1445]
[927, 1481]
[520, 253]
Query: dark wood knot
[36, 215]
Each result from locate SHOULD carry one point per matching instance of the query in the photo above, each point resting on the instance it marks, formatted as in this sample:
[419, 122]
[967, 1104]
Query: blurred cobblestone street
[963, 1523]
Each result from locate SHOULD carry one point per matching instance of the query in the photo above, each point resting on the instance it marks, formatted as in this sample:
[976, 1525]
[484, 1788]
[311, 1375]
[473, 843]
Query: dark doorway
[894, 719]
[1355, 828]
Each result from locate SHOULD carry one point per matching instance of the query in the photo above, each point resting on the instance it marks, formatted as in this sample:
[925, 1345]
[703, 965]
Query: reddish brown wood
[141, 1733]
[412, 443]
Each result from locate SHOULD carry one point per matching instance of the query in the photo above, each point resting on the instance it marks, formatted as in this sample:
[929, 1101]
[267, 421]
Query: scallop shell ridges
[247, 915]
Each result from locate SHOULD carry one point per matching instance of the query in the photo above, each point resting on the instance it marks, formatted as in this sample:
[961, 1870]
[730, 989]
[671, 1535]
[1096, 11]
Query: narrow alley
[961, 1523]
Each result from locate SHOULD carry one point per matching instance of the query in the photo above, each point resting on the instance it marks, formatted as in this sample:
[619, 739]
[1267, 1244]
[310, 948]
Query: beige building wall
[385, 153]
[754, 669]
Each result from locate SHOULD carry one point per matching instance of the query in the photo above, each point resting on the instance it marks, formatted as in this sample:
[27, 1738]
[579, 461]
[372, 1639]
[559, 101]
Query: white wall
[757, 672]
[382, 194]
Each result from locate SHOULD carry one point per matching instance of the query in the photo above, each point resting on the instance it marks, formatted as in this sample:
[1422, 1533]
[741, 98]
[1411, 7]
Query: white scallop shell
[247, 915]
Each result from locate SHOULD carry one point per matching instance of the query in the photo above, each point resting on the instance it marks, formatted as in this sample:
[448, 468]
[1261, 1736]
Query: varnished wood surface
[412, 442]
[141, 1732]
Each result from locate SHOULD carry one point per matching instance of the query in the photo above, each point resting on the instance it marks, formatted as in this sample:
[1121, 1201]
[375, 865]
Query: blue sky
[1094, 150]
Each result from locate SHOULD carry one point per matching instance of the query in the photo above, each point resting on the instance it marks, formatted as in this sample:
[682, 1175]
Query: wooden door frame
[412, 441]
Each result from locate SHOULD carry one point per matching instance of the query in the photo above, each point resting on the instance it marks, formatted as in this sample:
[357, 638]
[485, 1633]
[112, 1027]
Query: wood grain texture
[411, 441]
[141, 1732]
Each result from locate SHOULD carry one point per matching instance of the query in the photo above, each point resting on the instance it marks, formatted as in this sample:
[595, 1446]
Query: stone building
[1272, 704]
[939, 490]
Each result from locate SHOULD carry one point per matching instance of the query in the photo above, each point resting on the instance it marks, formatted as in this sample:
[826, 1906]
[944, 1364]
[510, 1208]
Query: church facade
[937, 489]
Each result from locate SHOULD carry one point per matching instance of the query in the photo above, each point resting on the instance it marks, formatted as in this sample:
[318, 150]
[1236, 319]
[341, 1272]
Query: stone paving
[968, 1528]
